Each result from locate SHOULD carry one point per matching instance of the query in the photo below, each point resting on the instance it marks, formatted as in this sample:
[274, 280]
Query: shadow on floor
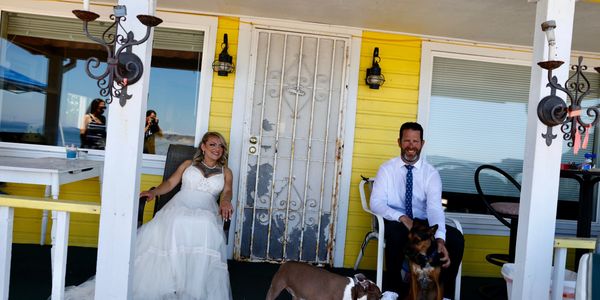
[31, 277]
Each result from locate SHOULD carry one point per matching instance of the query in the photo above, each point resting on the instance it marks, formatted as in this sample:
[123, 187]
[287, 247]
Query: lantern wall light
[124, 68]
[553, 110]
[224, 65]
[374, 77]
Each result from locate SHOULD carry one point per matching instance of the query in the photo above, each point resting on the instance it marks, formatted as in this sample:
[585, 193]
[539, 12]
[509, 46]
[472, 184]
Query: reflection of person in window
[151, 130]
[93, 127]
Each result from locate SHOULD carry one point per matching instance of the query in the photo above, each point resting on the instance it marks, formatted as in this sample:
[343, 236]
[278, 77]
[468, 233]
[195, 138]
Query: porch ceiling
[505, 21]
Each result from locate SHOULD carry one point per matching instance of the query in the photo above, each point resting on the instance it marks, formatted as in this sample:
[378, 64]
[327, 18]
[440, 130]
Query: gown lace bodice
[193, 179]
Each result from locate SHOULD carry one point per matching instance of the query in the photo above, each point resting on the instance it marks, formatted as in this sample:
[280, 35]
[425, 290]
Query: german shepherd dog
[424, 262]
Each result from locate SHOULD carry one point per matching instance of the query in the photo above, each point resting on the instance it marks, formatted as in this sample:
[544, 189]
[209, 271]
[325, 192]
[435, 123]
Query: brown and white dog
[304, 281]
[424, 262]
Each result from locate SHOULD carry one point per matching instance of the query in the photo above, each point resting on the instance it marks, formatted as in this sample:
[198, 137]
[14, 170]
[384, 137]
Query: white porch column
[541, 166]
[122, 167]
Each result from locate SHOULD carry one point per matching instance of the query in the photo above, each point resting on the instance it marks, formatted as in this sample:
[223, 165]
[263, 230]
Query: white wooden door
[293, 143]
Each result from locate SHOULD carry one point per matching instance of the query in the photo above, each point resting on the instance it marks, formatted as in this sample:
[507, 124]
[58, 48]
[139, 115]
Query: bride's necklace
[209, 171]
[212, 168]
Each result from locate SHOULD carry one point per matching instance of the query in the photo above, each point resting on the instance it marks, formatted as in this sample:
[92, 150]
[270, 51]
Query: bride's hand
[148, 194]
[226, 209]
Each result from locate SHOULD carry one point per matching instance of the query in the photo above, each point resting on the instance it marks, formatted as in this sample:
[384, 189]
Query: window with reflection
[478, 115]
[46, 97]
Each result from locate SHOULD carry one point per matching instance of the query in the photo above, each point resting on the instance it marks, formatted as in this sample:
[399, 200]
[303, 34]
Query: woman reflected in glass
[93, 127]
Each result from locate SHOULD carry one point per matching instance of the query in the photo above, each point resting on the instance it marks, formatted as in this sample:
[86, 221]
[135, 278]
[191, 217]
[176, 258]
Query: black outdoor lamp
[553, 110]
[224, 65]
[374, 77]
[124, 67]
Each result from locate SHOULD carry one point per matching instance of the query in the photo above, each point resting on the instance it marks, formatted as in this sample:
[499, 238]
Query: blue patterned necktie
[409, 188]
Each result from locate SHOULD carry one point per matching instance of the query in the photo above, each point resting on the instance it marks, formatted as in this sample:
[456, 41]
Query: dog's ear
[360, 277]
[433, 229]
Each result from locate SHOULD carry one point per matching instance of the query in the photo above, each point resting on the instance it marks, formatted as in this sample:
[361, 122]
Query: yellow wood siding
[222, 88]
[476, 248]
[379, 115]
[83, 229]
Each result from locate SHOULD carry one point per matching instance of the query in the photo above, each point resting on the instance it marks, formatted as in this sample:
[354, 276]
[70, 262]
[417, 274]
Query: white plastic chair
[582, 285]
[378, 229]
[587, 274]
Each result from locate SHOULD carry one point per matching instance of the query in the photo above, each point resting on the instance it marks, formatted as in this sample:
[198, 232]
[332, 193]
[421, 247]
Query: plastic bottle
[588, 163]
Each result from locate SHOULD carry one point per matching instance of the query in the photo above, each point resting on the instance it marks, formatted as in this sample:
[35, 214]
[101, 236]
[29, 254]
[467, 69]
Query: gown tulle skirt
[180, 254]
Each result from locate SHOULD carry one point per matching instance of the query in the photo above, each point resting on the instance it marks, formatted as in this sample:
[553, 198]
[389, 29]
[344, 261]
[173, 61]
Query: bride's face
[213, 148]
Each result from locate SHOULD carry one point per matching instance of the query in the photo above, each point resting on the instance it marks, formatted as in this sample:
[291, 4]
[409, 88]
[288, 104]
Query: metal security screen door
[293, 144]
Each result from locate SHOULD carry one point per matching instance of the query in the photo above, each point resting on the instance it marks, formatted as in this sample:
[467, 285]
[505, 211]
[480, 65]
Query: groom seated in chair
[407, 187]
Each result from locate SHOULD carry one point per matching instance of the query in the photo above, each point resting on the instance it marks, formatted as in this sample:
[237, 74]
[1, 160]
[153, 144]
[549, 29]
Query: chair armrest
[365, 205]
[363, 197]
[456, 223]
[226, 225]
[141, 207]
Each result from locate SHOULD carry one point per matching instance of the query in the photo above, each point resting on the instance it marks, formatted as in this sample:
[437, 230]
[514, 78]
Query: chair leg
[371, 235]
[514, 227]
[458, 283]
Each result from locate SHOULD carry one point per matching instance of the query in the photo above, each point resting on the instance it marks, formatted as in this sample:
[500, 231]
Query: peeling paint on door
[290, 187]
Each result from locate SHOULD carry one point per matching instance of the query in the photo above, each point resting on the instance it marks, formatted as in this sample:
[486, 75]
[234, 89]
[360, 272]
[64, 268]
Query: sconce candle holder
[124, 68]
[224, 65]
[374, 77]
[553, 110]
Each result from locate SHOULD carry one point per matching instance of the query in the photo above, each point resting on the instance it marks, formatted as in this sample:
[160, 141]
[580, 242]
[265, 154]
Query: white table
[51, 172]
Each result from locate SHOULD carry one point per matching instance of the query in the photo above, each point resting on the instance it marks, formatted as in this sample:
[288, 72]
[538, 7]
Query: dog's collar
[364, 283]
[355, 282]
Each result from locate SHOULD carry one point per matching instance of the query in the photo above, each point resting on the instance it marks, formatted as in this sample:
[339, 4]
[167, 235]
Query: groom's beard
[407, 159]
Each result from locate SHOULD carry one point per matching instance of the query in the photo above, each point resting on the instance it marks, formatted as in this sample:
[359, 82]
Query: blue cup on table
[71, 152]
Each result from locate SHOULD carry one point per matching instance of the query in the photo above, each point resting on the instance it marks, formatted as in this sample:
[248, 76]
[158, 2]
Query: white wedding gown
[180, 254]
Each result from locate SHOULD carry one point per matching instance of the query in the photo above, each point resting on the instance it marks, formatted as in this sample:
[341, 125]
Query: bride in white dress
[181, 253]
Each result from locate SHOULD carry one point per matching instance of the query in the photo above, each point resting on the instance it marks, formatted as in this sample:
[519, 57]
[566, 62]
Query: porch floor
[31, 278]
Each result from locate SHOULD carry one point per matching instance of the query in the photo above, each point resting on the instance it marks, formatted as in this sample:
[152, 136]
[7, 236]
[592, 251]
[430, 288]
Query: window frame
[480, 223]
[151, 163]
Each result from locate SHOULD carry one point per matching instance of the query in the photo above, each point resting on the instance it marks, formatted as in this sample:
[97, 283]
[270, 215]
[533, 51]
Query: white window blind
[72, 30]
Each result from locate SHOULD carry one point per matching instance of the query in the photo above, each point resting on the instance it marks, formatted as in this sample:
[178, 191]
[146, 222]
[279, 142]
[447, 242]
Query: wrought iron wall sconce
[124, 68]
[552, 110]
[224, 65]
[374, 77]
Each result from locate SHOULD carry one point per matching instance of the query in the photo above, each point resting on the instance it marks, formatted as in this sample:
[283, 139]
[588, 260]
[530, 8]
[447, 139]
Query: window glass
[46, 95]
[478, 115]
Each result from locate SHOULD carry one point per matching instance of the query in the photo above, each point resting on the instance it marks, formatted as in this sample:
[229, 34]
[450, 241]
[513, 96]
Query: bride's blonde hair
[199, 155]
